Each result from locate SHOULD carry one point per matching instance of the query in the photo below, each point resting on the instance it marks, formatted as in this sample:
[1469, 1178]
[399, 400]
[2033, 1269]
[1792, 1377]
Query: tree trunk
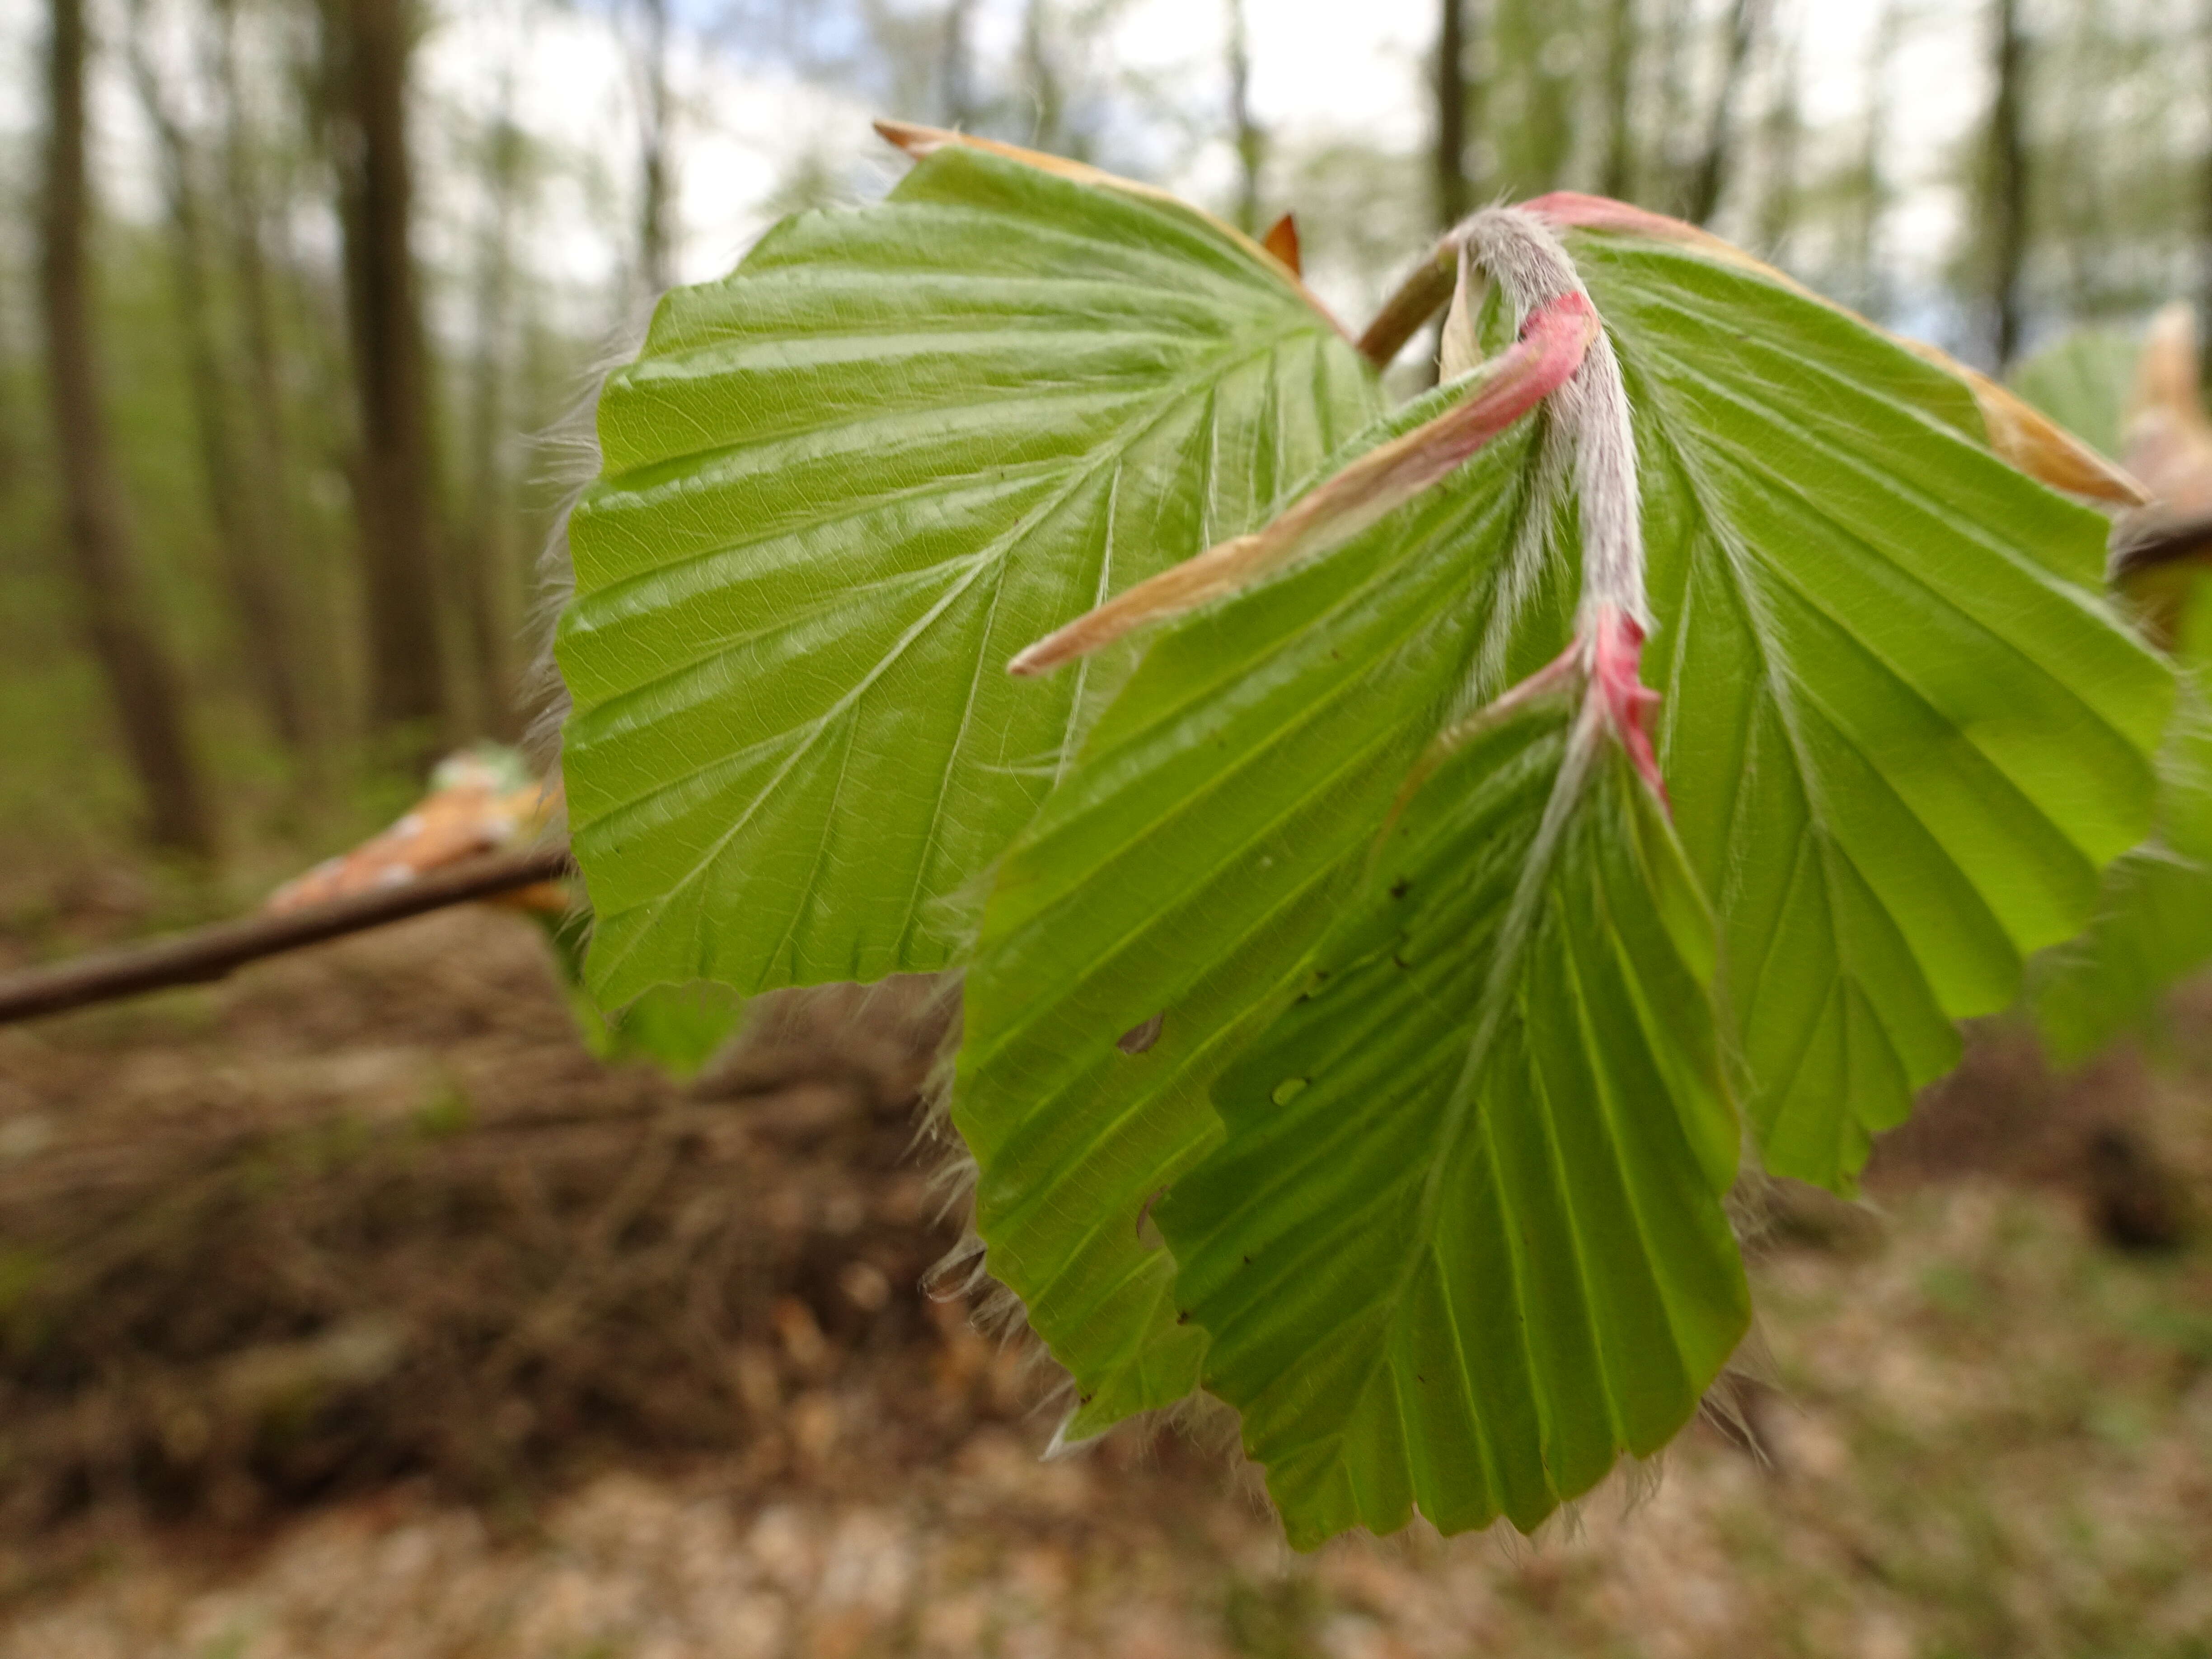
[1049, 97]
[1450, 159]
[1251, 141]
[1667, 169]
[1868, 255]
[956, 67]
[119, 615]
[1618, 180]
[1778, 207]
[1710, 177]
[367, 44]
[264, 612]
[245, 217]
[656, 182]
[494, 578]
[2007, 183]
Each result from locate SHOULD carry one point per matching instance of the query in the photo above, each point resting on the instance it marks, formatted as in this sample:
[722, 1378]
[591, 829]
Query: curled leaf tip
[1551, 348]
[1282, 241]
[1573, 209]
[2036, 444]
[2023, 435]
[915, 139]
[1625, 703]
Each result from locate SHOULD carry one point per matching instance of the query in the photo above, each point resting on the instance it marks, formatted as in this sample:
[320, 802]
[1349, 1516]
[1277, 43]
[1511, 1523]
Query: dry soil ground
[350, 1308]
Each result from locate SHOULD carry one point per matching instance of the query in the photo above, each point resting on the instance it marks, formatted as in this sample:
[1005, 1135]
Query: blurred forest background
[296, 295]
[352, 1307]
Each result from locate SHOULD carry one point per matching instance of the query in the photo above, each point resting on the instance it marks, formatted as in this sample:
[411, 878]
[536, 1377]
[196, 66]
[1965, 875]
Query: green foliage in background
[2082, 380]
[2154, 921]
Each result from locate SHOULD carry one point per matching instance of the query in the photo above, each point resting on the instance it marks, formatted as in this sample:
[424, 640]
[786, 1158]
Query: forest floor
[351, 1309]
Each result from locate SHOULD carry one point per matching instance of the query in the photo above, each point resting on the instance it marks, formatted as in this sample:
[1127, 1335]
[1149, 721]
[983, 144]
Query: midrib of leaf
[1736, 558]
[1849, 1124]
[959, 571]
[1129, 1361]
[1964, 526]
[1196, 803]
[1728, 554]
[1553, 895]
[965, 573]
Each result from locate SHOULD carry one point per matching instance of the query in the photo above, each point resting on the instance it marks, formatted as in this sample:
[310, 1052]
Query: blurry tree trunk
[1872, 183]
[1667, 168]
[1450, 159]
[367, 43]
[1710, 177]
[245, 214]
[2008, 164]
[111, 587]
[1251, 142]
[1777, 207]
[263, 610]
[1048, 98]
[656, 162]
[495, 584]
[955, 68]
[1618, 179]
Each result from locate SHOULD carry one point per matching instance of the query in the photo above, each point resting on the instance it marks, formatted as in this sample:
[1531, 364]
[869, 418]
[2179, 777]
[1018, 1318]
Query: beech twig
[210, 952]
[1419, 297]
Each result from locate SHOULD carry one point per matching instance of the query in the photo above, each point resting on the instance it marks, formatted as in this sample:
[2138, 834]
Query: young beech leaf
[2017, 429]
[1193, 853]
[1902, 730]
[841, 487]
[2154, 921]
[1464, 1243]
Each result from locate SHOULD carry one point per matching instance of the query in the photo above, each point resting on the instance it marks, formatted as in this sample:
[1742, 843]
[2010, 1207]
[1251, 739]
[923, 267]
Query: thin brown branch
[1419, 297]
[208, 953]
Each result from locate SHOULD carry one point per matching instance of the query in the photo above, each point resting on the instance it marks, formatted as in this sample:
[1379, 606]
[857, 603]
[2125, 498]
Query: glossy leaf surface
[841, 488]
[1195, 852]
[1902, 731]
[1464, 1245]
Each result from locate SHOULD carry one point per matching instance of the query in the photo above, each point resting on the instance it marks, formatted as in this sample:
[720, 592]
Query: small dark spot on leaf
[1401, 961]
[1400, 887]
[1137, 1038]
[1183, 1318]
[1085, 1399]
[1247, 1260]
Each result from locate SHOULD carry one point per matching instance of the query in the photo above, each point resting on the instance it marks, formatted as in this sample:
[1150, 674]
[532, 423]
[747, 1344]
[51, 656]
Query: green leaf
[1841, 569]
[1465, 1243]
[1192, 854]
[1902, 730]
[2082, 381]
[841, 488]
[679, 1027]
[2154, 923]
